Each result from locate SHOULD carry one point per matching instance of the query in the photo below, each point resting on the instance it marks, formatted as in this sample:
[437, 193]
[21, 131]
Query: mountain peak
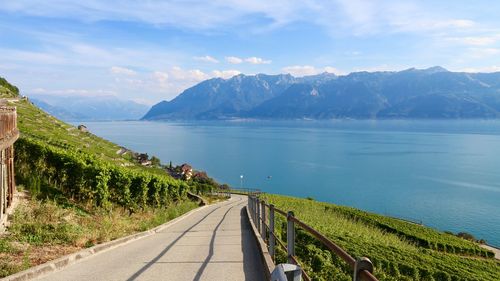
[435, 69]
[430, 70]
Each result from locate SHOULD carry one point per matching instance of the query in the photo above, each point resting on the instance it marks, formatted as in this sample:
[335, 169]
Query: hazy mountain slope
[59, 112]
[94, 108]
[219, 98]
[412, 93]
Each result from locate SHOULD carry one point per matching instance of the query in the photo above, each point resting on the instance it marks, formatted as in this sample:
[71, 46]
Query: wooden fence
[263, 216]
[8, 135]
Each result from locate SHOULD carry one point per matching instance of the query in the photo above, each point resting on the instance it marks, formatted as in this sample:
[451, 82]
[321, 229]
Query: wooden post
[272, 240]
[290, 237]
[263, 221]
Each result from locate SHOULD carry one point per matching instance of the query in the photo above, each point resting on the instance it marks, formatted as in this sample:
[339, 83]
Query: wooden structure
[8, 135]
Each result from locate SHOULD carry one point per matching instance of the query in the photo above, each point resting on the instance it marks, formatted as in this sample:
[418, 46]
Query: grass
[42, 230]
[395, 253]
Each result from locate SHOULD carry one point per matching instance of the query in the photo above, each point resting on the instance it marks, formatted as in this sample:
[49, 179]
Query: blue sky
[149, 51]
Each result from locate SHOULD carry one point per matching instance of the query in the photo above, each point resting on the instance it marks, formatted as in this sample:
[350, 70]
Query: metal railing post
[272, 240]
[263, 221]
[361, 264]
[290, 237]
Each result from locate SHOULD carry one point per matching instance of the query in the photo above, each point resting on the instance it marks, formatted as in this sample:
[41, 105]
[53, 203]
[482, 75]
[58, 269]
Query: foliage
[84, 177]
[395, 254]
[7, 89]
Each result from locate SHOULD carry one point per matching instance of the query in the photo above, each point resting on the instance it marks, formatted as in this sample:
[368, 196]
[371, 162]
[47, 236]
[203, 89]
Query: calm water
[443, 173]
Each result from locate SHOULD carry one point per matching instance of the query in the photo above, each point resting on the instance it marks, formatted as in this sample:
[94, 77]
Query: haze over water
[443, 173]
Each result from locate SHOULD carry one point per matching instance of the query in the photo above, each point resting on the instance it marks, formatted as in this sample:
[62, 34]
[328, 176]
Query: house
[83, 128]
[143, 159]
[186, 171]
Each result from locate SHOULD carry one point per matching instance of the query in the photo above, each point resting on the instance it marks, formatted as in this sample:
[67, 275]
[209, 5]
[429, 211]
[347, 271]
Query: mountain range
[432, 93]
[80, 108]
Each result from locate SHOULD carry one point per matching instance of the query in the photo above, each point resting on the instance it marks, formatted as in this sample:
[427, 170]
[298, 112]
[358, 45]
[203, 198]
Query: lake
[442, 173]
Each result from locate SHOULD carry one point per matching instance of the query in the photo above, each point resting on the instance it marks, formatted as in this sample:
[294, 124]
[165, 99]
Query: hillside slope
[432, 93]
[399, 250]
[78, 191]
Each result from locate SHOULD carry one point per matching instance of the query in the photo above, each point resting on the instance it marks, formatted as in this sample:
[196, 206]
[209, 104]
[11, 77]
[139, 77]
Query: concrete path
[494, 250]
[215, 243]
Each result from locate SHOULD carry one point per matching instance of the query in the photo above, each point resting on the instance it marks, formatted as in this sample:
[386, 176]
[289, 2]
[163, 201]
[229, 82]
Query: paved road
[212, 244]
[494, 250]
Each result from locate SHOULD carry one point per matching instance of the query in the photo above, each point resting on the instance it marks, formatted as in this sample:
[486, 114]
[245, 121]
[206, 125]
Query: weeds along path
[212, 244]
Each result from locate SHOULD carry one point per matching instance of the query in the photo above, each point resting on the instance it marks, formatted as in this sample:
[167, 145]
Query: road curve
[215, 243]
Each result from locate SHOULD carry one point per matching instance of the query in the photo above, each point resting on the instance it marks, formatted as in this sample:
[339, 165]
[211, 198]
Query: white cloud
[251, 60]
[190, 75]
[207, 59]
[305, 70]
[256, 60]
[122, 70]
[161, 77]
[225, 73]
[492, 68]
[350, 16]
[481, 53]
[72, 92]
[234, 60]
[474, 40]
[331, 69]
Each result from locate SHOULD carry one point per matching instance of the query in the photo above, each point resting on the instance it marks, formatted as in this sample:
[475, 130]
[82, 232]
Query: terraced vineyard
[399, 250]
[82, 165]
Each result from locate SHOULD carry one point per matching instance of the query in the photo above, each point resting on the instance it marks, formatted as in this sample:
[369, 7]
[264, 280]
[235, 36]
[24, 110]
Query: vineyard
[399, 250]
[85, 167]
[84, 177]
[82, 191]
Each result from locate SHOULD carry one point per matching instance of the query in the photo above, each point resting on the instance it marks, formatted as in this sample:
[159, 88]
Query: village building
[186, 171]
[83, 128]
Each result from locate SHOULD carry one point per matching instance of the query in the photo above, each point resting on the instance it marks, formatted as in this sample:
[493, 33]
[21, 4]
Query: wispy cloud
[360, 16]
[250, 60]
[305, 70]
[122, 70]
[256, 60]
[474, 40]
[225, 73]
[72, 92]
[207, 59]
[234, 60]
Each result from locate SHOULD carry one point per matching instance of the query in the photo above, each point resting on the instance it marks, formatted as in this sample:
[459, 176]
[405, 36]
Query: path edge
[70, 259]
[266, 259]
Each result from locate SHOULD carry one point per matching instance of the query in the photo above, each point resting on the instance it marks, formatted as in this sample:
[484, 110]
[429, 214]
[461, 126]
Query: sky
[148, 51]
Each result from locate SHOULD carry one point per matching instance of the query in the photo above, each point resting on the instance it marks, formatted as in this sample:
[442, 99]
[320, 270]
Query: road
[215, 243]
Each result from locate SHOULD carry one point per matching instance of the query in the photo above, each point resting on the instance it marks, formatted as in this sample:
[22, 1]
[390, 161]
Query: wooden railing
[8, 126]
[261, 212]
[8, 135]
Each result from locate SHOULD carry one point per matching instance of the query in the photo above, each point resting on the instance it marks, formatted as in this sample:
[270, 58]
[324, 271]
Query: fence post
[360, 265]
[257, 222]
[290, 237]
[263, 225]
[249, 202]
[252, 208]
[272, 240]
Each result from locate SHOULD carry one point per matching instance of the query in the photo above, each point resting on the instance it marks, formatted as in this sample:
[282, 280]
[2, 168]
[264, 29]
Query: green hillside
[8, 90]
[81, 190]
[399, 250]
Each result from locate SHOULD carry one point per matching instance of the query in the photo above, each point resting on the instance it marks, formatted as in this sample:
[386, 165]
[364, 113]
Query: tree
[155, 161]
